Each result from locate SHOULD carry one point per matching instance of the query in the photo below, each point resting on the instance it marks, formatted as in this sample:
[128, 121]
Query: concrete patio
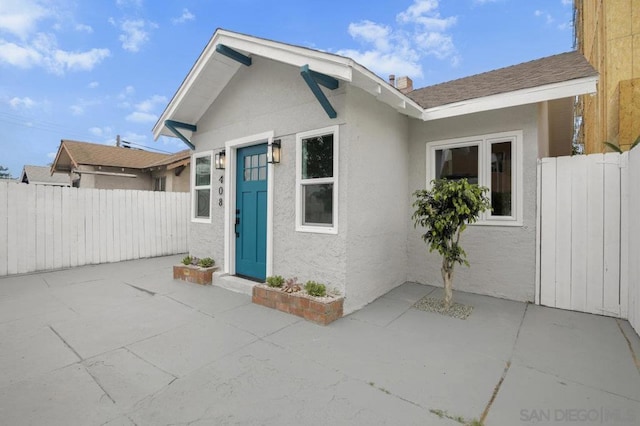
[124, 344]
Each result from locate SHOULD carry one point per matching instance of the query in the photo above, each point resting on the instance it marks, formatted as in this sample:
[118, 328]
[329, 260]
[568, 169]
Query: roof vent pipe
[392, 80]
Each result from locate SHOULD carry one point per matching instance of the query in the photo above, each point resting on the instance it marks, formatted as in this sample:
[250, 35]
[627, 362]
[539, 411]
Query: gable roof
[212, 71]
[558, 76]
[568, 70]
[85, 153]
[42, 175]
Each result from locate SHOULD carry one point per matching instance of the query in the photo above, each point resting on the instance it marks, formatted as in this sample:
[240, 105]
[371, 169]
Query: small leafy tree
[4, 172]
[445, 210]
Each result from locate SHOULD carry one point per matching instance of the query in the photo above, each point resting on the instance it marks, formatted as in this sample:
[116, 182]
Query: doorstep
[233, 283]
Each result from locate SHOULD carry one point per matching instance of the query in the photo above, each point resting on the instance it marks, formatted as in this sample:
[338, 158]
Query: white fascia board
[325, 63]
[376, 86]
[531, 95]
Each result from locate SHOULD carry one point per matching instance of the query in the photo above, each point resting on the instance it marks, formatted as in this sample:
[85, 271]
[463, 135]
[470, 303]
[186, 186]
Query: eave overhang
[213, 71]
[565, 89]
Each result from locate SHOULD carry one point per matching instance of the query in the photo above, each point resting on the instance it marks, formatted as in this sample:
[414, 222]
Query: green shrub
[187, 260]
[315, 289]
[275, 281]
[206, 262]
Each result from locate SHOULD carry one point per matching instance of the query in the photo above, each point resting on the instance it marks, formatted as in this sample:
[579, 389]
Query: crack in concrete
[150, 363]
[496, 389]
[95, 379]
[66, 343]
[575, 382]
[633, 353]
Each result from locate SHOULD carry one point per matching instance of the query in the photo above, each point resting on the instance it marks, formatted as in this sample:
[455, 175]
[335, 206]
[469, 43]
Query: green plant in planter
[275, 281]
[187, 260]
[206, 262]
[315, 289]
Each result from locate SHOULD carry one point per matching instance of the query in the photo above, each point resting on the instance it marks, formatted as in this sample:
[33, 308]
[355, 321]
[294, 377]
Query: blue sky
[89, 70]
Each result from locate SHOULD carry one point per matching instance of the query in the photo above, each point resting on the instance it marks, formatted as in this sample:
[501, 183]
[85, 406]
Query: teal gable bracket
[233, 54]
[312, 79]
[175, 125]
[323, 79]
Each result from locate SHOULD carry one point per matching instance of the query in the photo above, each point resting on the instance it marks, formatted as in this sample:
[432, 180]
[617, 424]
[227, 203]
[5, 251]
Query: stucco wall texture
[381, 162]
[502, 258]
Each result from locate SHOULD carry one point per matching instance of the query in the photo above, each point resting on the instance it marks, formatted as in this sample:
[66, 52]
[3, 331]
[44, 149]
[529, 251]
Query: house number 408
[220, 191]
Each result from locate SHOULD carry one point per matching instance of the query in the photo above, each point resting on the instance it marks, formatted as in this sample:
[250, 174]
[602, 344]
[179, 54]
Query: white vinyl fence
[588, 212]
[45, 227]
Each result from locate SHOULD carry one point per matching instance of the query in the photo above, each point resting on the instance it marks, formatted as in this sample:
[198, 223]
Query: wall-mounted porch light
[219, 159]
[273, 152]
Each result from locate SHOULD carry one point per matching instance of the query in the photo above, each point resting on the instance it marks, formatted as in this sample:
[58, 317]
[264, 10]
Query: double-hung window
[160, 183]
[493, 161]
[201, 194]
[317, 181]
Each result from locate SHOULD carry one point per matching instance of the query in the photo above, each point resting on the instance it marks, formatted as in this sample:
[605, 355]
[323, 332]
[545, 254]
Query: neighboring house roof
[555, 77]
[41, 175]
[549, 72]
[93, 154]
[178, 159]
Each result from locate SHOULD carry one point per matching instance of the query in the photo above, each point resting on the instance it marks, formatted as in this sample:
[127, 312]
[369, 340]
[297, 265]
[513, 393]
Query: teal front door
[251, 212]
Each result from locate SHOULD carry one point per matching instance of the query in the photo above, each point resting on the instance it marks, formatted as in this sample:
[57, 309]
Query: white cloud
[101, 132]
[20, 17]
[149, 104]
[25, 102]
[41, 50]
[425, 13]
[129, 3]
[135, 33]
[52, 155]
[421, 31]
[567, 2]
[93, 85]
[186, 16]
[543, 14]
[19, 56]
[127, 91]
[144, 110]
[77, 109]
[141, 117]
[84, 28]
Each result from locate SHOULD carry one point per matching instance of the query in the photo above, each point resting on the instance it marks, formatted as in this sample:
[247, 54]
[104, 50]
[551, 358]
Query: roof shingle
[111, 156]
[552, 69]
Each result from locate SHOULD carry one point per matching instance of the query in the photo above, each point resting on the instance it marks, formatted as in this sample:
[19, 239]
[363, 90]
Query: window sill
[200, 220]
[316, 229]
[506, 223]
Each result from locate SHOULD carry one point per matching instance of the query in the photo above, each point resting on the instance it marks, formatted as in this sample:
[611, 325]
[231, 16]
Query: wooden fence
[44, 227]
[588, 211]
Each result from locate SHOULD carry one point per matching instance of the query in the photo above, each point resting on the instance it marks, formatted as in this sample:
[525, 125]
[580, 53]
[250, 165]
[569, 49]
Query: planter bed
[319, 310]
[194, 274]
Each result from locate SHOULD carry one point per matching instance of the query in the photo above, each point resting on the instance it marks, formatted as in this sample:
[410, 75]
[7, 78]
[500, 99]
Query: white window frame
[300, 226]
[194, 199]
[484, 142]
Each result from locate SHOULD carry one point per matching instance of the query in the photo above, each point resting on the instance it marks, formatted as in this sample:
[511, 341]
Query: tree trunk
[447, 277]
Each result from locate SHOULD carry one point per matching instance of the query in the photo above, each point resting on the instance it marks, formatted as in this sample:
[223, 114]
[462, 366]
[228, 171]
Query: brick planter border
[305, 306]
[194, 274]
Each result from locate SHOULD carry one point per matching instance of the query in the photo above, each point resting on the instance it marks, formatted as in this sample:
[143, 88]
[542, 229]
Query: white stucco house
[335, 207]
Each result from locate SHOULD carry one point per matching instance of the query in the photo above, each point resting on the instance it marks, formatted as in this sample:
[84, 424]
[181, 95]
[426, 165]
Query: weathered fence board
[45, 228]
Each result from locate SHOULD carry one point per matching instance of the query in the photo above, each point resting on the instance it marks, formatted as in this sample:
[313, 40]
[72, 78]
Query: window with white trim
[317, 181]
[201, 194]
[494, 161]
